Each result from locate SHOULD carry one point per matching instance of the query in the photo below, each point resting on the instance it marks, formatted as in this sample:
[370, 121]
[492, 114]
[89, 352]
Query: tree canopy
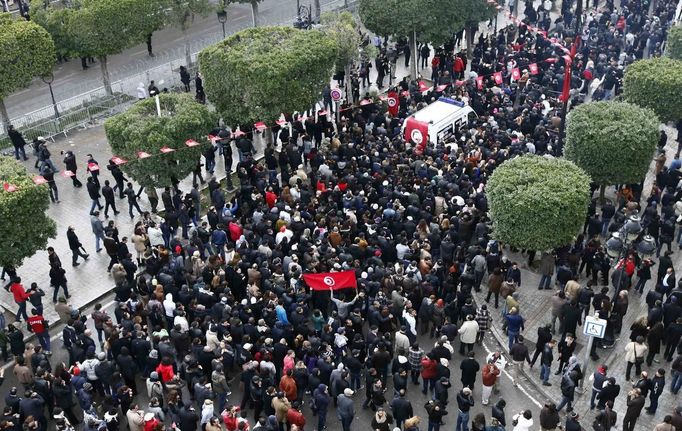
[141, 129]
[653, 83]
[537, 203]
[259, 73]
[343, 27]
[613, 142]
[97, 28]
[27, 51]
[27, 227]
[673, 48]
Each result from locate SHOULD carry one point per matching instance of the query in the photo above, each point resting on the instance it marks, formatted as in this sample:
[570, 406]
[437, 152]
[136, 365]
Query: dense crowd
[202, 303]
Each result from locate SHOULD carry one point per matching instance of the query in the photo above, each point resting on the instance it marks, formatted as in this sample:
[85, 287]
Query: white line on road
[525, 392]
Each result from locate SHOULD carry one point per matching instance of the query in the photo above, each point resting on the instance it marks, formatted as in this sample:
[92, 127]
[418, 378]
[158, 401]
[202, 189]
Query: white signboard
[594, 326]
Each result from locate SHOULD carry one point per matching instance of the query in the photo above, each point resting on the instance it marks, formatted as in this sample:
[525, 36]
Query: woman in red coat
[429, 373]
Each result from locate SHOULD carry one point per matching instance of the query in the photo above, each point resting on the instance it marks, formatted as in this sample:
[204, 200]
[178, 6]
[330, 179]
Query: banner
[416, 132]
[331, 280]
[479, 82]
[393, 103]
[516, 74]
[498, 77]
[533, 67]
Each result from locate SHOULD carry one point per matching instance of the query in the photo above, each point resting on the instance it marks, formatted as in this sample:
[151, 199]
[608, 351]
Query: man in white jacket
[467, 334]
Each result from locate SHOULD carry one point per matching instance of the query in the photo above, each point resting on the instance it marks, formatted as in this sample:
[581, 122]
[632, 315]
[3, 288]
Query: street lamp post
[222, 19]
[49, 79]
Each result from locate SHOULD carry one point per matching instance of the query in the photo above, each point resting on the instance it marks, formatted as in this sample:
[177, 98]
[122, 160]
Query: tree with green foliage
[537, 203]
[261, 72]
[97, 28]
[434, 21]
[653, 84]
[254, 8]
[26, 227]
[673, 48]
[181, 13]
[141, 129]
[613, 142]
[27, 51]
[343, 27]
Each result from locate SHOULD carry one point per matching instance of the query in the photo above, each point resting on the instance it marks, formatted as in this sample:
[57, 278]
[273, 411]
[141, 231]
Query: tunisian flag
[416, 132]
[331, 280]
[393, 103]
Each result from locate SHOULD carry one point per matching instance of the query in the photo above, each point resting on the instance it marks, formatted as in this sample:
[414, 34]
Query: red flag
[166, 149]
[498, 78]
[118, 161]
[533, 67]
[416, 132]
[516, 74]
[422, 86]
[237, 133]
[565, 91]
[459, 83]
[38, 179]
[479, 82]
[331, 280]
[93, 167]
[393, 103]
[68, 174]
[365, 102]
[9, 187]
[442, 88]
[281, 122]
[191, 143]
[143, 155]
[260, 126]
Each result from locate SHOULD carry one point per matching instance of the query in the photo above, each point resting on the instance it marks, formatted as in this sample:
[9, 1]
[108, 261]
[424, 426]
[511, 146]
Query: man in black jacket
[93, 192]
[401, 408]
[109, 198]
[544, 336]
[464, 403]
[75, 246]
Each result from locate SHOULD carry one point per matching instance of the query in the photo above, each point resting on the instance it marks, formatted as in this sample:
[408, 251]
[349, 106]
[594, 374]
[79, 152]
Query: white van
[437, 120]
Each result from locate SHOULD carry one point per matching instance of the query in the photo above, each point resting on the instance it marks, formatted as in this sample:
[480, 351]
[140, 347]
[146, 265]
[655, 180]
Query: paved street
[71, 80]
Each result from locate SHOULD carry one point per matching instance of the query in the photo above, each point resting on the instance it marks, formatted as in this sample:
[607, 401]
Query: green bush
[537, 203]
[613, 142]
[673, 48]
[655, 84]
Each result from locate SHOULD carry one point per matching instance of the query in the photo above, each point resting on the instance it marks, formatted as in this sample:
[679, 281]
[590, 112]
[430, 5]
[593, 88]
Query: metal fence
[88, 107]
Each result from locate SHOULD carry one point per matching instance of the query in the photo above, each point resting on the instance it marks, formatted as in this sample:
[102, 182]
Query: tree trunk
[316, 11]
[413, 54]
[347, 87]
[516, 8]
[188, 53]
[602, 189]
[470, 30]
[105, 75]
[254, 12]
[4, 117]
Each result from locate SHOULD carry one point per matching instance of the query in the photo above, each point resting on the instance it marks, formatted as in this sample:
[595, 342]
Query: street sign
[594, 327]
[336, 94]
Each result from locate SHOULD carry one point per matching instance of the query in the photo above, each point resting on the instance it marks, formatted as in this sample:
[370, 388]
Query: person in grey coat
[97, 229]
[345, 409]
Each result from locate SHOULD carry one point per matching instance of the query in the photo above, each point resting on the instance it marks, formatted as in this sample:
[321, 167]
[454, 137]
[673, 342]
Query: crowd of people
[204, 305]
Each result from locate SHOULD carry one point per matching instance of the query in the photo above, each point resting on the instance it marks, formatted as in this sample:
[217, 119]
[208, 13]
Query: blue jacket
[514, 322]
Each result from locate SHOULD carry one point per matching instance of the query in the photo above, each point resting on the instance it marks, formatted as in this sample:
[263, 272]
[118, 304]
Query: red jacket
[459, 65]
[288, 386]
[19, 293]
[235, 231]
[429, 368]
[489, 374]
[295, 417]
[270, 199]
[166, 372]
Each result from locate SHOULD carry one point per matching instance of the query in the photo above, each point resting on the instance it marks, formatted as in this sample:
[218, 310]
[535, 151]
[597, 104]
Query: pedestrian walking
[72, 167]
[39, 326]
[75, 246]
[93, 192]
[97, 229]
[132, 200]
[93, 167]
[18, 142]
[58, 280]
[48, 172]
[20, 296]
[546, 362]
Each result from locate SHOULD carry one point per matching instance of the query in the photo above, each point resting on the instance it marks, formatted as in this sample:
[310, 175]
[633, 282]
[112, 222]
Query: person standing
[656, 389]
[598, 379]
[489, 377]
[544, 337]
[185, 78]
[549, 417]
[345, 409]
[38, 325]
[635, 351]
[468, 333]
[515, 324]
[132, 200]
[97, 229]
[72, 166]
[18, 141]
[546, 362]
[75, 246]
[464, 403]
[20, 297]
[469, 368]
[519, 354]
[568, 383]
[635, 405]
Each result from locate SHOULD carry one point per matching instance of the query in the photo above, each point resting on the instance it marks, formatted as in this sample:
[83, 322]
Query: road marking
[525, 392]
